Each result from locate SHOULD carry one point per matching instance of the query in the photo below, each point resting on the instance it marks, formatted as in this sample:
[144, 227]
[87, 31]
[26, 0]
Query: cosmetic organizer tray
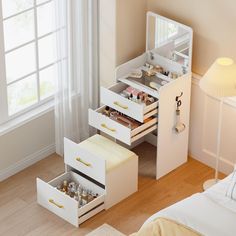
[112, 98]
[117, 130]
[63, 205]
[123, 71]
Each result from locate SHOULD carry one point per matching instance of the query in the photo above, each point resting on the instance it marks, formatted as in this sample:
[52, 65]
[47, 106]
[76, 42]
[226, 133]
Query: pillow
[231, 190]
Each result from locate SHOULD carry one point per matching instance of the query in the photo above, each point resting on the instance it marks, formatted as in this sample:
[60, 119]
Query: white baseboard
[225, 166]
[26, 162]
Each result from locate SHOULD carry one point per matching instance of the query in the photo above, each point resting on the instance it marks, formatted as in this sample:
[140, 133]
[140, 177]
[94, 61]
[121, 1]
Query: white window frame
[46, 103]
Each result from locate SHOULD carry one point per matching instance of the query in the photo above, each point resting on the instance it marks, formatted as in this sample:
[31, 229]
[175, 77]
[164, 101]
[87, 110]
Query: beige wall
[130, 29]
[213, 23]
[122, 35]
[107, 40]
[24, 142]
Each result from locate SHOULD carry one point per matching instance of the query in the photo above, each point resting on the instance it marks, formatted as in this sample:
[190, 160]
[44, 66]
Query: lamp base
[209, 183]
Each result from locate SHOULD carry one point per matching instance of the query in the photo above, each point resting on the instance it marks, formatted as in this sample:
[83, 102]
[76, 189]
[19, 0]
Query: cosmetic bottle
[90, 197]
[106, 111]
[131, 97]
[84, 197]
[80, 201]
[65, 186]
[139, 99]
[76, 196]
[80, 189]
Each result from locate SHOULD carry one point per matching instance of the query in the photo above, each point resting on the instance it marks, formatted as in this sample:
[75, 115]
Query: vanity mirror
[169, 39]
[168, 56]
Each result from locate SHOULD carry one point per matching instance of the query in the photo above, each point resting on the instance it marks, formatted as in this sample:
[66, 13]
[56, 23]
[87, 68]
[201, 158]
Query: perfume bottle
[65, 186]
[80, 189]
[90, 196]
[106, 111]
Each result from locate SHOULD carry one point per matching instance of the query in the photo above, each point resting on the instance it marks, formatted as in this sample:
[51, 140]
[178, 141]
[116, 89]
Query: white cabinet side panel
[172, 148]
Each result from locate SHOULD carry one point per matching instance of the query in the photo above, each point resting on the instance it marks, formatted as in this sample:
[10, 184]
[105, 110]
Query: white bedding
[210, 213]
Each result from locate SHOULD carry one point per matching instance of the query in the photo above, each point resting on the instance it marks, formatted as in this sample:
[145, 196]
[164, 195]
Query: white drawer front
[117, 130]
[106, 125]
[84, 161]
[66, 207]
[57, 202]
[121, 104]
[111, 98]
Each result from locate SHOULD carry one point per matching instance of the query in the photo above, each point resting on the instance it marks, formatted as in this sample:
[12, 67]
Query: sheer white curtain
[78, 82]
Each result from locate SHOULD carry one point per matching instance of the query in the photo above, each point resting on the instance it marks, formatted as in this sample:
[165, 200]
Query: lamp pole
[219, 139]
[211, 182]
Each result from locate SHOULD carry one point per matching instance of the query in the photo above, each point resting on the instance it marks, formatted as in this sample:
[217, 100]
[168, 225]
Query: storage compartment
[84, 161]
[123, 128]
[69, 207]
[117, 98]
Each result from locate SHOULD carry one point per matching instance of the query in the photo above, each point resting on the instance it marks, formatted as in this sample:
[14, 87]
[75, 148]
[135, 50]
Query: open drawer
[112, 98]
[65, 206]
[120, 131]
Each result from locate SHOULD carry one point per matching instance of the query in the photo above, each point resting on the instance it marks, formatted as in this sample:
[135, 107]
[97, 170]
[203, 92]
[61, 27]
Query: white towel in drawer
[112, 98]
[63, 205]
[120, 131]
[84, 161]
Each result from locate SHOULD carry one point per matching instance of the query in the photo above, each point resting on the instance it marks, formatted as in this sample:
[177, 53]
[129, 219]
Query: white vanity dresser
[169, 52]
[150, 102]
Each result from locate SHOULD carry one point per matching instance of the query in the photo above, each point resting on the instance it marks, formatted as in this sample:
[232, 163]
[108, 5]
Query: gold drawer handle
[120, 105]
[106, 127]
[83, 162]
[56, 204]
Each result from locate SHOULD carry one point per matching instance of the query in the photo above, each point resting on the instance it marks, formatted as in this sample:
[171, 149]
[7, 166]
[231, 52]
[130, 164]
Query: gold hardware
[120, 105]
[105, 126]
[83, 162]
[56, 204]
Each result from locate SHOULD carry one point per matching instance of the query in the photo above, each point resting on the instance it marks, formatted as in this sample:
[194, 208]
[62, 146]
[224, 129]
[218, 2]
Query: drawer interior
[90, 187]
[136, 128]
[124, 120]
[125, 90]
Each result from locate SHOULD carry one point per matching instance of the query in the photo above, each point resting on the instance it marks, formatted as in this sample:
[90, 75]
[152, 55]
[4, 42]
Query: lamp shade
[220, 79]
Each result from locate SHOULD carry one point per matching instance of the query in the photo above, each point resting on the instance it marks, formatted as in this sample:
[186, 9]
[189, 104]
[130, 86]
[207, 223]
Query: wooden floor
[20, 214]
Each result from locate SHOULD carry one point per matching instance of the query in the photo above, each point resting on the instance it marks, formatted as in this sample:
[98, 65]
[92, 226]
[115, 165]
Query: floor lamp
[219, 82]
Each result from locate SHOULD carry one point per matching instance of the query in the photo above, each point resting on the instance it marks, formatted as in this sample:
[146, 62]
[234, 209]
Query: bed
[210, 213]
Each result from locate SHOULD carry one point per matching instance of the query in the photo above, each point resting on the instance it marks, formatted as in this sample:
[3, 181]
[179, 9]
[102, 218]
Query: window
[28, 61]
